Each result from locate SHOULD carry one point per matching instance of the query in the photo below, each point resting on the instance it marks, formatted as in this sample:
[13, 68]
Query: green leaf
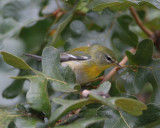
[37, 95]
[61, 78]
[150, 115]
[131, 106]
[9, 28]
[63, 23]
[128, 105]
[122, 33]
[26, 122]
[126, 79]
[21, 8]
[6, 116]
[134, 81]
[20, 118]
[82, 6]
[124, 120]
[103, 89]
[98, 5]
[14, 21]
[153, 125]
[103, 19]
[67, 105]
[15, 61]
[143, 54]
[116, 119]
[15, 88]
[83, 123]
[37, 41]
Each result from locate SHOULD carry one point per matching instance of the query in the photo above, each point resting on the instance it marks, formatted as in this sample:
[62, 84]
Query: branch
[125, 59]
[139, 22]
[114, 70]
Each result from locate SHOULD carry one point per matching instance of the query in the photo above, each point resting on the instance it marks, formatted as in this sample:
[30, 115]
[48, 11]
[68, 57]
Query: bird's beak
[117, 64]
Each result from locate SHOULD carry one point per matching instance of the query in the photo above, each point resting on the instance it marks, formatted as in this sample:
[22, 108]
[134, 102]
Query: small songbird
[86, 62]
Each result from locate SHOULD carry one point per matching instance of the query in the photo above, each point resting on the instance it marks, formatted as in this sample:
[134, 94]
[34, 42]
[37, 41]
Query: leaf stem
[124, 119]
[139, 22]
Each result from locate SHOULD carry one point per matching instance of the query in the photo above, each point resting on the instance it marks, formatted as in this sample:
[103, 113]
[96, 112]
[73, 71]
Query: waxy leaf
[129, 105]
[118, 119]
[134, 81]
[6, 117]
[83, 123]
[61, 78]
[143, 54]
[37, 95]
[63, 23]
[15, 88]
[103, 89]
[123, 34]
[14, 21]
[133, 107]
[98, 5]
[67, 105]
[15, 61]
[19, 118]
[27, 122]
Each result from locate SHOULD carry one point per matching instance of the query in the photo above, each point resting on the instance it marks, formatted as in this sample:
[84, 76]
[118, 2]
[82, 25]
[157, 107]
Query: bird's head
[103, 56]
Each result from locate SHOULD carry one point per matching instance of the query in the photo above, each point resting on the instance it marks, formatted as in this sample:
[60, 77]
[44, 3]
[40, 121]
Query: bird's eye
[109, 58]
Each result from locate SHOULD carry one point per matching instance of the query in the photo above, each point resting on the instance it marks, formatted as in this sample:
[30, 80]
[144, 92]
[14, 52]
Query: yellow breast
[85, 71]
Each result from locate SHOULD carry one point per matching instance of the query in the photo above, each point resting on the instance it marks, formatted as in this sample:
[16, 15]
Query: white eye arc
[108, 58]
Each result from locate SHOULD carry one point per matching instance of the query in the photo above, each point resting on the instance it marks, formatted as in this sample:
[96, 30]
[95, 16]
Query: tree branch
[125, 59]
[139, 22]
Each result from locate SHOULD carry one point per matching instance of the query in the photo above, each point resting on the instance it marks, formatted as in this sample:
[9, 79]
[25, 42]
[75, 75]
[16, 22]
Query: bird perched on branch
[86, 62]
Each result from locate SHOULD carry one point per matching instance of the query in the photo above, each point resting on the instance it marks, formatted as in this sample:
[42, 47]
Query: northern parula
[86, 62]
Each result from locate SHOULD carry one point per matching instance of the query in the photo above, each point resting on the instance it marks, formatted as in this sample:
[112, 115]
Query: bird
[86, 62]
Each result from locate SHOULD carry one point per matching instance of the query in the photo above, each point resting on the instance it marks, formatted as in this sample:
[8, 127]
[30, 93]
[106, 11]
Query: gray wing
[69, 57]
[63, 57]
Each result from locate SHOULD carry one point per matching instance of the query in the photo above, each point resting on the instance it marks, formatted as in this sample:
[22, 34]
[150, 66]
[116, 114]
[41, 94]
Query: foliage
[49, 92]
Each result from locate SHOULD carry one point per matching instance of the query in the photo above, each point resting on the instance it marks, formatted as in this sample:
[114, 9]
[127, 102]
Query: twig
[114, 70]
[139, 22]
[125, 59]
[124, 119]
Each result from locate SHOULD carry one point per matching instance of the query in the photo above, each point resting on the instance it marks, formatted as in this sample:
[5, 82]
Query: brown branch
[139, 22]
[125, 59]
[114, 70]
